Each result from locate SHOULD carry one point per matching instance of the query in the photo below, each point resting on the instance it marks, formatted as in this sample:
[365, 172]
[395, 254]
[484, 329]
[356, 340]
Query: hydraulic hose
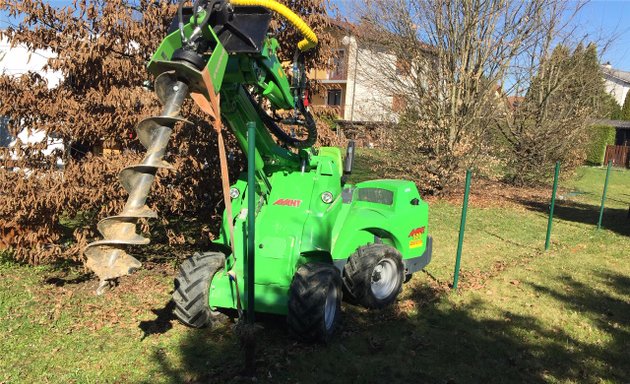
[310, 39]
[309, 123]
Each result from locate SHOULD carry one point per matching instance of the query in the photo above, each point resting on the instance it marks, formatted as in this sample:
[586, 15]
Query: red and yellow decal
[288, 202]
[416, 237]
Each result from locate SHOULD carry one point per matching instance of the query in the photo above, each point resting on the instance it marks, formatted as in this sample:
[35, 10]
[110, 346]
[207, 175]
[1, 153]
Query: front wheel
[373, 275]
[315, 302]
[192, 285]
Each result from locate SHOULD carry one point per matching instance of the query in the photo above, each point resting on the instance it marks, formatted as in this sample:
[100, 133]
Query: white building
[365, 100]
[351, 90]
[16, 61]
[19, 60]
[367, 82]
[617, 82]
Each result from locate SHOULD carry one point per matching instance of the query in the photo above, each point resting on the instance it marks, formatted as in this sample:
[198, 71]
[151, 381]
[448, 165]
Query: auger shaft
[155, 153]
[107, 257]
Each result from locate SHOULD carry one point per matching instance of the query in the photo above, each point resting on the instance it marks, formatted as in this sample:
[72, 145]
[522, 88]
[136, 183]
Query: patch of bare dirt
[489, 193]
[139, 296]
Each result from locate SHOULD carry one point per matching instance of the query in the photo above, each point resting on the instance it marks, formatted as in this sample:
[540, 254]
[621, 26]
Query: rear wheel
[373, 275]
[192, 285]
[315, 302]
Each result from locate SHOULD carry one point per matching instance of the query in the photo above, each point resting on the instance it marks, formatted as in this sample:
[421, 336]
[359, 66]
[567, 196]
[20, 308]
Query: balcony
[339, 65]
[336, 111]
[338, 73]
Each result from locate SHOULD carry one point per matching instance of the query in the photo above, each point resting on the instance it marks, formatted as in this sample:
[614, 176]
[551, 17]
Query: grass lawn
[520, 315]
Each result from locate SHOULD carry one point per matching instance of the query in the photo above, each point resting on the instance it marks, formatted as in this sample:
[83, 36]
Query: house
[348, 88]
[19, 60]
[16, 61]
[617, 82]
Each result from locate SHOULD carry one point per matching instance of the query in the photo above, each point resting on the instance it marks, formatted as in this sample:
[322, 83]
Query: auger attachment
[107, 257]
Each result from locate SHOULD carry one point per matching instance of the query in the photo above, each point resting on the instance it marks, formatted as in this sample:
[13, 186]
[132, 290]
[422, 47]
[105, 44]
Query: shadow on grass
[162, 323]
[609, 312]
[438, 341]
[67, 272]
[61, 281]
[614, 219]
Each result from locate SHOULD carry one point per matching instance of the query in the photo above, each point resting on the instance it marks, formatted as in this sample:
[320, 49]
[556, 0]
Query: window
[376, 195]
[334, 97]
[5, 135]
[338, 71]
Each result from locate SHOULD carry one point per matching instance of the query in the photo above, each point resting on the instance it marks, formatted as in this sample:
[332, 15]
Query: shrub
[600, 137]
[99, 46]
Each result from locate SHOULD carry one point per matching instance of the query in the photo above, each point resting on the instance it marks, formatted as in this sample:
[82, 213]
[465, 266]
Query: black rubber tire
[357, 276]
[307, 302]
[192, 288]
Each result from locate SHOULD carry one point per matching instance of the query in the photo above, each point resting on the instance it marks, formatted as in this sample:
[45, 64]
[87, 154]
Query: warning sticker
[415, 243]
[416, 237]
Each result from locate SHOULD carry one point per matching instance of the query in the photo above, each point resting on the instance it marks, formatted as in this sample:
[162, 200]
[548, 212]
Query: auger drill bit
[107, 257]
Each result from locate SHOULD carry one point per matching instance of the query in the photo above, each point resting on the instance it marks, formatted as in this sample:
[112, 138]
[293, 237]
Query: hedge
[600, 137]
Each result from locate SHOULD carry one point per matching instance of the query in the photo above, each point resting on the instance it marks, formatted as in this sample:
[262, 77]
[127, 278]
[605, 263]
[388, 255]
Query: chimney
[608, 65]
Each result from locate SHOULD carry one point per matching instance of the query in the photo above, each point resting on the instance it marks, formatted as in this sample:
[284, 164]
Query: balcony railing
[339, 73]
[335, 110]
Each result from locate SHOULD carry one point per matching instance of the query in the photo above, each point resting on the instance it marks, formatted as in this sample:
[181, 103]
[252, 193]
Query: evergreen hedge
[600, 137]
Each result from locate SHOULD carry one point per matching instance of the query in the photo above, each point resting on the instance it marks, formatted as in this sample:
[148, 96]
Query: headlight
[327, 197]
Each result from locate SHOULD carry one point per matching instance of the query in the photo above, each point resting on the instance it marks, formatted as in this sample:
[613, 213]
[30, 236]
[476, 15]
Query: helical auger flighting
[107, 257]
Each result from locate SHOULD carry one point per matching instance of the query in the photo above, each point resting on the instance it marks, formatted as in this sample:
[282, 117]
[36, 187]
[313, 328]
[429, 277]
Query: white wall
[617, 88]
[364, 100]
[19, 60]
[16, 61]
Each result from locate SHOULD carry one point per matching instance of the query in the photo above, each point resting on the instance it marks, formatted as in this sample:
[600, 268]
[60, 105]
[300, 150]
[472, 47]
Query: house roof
[363, 31]
[619, 124]
[620, 75]
[342, 24]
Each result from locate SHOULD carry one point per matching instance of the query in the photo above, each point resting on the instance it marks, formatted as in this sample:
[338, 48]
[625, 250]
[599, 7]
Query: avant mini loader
[316, 235]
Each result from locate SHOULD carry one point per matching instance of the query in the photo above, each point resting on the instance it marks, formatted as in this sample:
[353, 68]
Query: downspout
[354, 82]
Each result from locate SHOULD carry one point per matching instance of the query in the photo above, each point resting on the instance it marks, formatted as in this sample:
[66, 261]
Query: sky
[609, 18]
[598, 20]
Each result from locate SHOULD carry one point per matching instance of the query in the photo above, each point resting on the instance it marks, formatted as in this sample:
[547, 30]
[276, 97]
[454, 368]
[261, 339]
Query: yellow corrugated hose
[310, 39]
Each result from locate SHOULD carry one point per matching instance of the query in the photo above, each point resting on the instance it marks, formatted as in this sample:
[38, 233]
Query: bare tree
[454, 62]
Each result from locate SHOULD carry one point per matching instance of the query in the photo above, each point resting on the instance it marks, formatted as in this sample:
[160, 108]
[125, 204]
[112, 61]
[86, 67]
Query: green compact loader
[317, 237]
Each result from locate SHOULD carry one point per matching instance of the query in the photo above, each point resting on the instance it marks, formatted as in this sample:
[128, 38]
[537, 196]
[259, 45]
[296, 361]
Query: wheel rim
[330, 308]
[384, 279]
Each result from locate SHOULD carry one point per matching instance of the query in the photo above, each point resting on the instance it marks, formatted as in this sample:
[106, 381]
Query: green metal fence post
[462, 227]
[601, 209]
[552, 206]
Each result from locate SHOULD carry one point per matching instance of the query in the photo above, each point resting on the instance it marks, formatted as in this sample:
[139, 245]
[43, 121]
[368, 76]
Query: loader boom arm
[216, 50]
